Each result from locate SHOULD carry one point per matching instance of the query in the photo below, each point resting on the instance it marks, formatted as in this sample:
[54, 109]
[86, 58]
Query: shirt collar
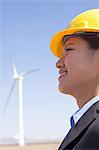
[79, 113]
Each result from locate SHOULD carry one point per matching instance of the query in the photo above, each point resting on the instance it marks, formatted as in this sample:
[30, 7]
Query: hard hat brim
[56, 44]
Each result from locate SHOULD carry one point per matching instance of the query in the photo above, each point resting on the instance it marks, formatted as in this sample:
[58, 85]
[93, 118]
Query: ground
[46, 146]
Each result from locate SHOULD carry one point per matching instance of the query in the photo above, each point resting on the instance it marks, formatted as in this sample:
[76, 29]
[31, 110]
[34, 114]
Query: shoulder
[90, 139]
[93, 129]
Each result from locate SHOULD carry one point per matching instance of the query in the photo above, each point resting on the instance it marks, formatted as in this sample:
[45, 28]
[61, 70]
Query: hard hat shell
[87, 21]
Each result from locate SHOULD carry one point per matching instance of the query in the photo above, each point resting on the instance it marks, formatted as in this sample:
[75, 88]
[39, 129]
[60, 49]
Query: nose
[60, 63]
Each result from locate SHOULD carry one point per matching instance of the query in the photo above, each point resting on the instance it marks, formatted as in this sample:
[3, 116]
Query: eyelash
[68, 49]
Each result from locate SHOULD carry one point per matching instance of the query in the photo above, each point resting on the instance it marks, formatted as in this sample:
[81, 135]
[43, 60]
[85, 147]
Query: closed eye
[68, 49]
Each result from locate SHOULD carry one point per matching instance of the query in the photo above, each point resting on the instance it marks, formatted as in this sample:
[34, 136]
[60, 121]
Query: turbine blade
[9, 96]
[29, 72]
[15, 70]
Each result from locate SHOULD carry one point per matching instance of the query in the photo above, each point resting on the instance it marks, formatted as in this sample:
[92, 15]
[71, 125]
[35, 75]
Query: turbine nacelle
[18, 77]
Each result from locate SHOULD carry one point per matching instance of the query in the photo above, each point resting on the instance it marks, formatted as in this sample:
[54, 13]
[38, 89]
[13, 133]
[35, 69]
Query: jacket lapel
[83, 123]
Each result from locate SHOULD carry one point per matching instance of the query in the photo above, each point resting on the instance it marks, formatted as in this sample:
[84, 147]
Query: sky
[26, 29]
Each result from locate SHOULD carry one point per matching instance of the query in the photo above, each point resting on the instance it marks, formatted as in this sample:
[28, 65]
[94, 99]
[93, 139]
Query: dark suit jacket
[85, 134]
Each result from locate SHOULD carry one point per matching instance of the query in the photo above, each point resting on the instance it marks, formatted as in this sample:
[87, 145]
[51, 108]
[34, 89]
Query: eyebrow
[69, 44]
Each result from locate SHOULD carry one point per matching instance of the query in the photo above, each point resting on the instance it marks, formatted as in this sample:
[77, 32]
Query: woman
[78, 50]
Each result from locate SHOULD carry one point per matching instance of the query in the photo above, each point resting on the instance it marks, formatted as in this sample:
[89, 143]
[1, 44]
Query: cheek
[74, 63]
[78, 66]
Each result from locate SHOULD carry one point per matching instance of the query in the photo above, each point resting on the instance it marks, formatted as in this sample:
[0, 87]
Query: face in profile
[77, 67]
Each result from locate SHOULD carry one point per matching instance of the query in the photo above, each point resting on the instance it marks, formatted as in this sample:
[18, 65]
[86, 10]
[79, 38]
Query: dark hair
[93, 41]
[92, 38]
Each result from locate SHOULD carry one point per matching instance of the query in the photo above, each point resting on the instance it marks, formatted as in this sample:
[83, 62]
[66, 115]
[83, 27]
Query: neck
[84, 96]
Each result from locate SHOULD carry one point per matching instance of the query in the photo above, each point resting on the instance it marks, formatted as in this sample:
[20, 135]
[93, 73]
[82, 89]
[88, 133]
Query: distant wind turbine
[19, 77]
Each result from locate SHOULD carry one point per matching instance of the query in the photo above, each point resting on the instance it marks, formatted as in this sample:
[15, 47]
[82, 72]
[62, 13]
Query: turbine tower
[19, 77]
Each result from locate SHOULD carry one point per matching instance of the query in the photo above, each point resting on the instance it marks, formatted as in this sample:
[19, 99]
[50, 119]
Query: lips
[62, 74]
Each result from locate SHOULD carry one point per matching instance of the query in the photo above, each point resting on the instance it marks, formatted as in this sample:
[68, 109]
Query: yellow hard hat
[87, 21]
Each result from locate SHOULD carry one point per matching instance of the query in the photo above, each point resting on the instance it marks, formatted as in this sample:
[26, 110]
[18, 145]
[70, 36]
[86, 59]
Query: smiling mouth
[63, 74]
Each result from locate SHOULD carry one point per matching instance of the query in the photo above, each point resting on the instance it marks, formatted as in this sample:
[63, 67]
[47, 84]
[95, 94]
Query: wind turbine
[19, 77]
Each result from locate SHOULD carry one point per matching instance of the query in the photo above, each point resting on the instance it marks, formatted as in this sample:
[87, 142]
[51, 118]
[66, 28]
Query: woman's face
[77, 67]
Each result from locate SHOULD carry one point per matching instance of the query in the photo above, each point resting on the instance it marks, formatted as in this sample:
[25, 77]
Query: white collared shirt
[78, 114]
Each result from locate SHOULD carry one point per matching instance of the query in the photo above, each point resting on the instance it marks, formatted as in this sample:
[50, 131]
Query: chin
[64, 90]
